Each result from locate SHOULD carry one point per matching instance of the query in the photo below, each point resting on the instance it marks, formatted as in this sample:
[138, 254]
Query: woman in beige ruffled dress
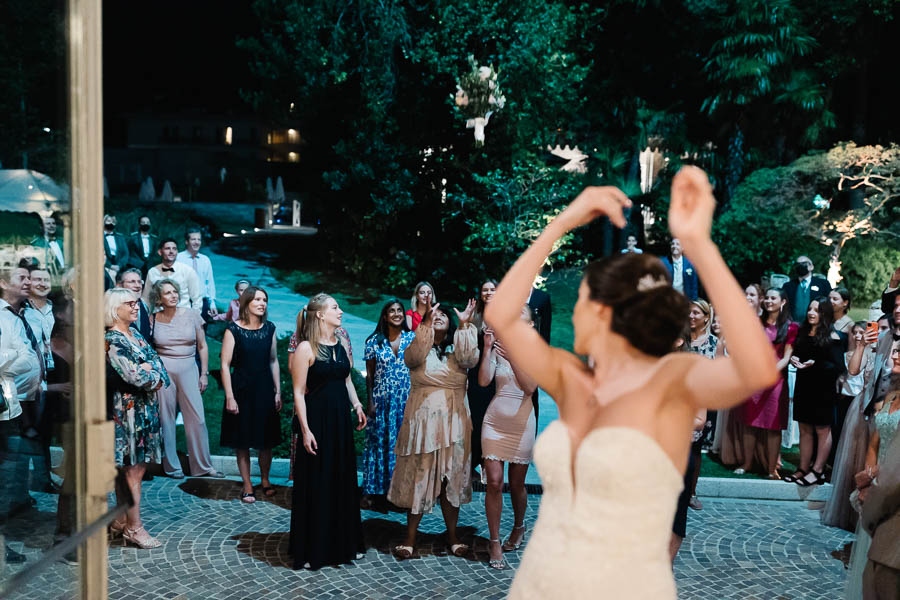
[435, 441]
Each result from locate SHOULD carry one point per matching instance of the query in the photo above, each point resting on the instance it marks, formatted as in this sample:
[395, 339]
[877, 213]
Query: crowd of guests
[447, 403]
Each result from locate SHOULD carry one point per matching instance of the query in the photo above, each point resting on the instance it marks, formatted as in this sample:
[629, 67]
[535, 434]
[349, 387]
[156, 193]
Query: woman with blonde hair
[134, 376]
[179, 338]
[326, 526]
[423, 296]
[252, 390]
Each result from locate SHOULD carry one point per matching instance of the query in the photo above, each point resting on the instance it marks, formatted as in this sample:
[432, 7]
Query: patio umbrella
[23, 190]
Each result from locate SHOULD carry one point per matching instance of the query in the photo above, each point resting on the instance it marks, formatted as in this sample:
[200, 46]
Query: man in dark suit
[115, 245]
[51, 242]
[539, 302]
[803, 288]
[881, 518]
[131, 279]
[142, 247]
[682, 272]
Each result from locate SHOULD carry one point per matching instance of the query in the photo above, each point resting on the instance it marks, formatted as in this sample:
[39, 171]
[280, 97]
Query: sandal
[117, 528]
[248, 497]
[793, 477]
[140, 538]
[459, 550]
[268, 491]
[497, 563]
[402, 552]
[508, 546]
[818, 479]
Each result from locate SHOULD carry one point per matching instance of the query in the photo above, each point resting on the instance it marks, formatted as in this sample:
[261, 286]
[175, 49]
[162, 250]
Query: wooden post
[94, 466]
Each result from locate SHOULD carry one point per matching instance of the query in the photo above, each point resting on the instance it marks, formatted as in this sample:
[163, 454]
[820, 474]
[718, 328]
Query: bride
[612, 464]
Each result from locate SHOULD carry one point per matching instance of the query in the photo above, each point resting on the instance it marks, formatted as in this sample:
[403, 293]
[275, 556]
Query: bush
[867, 266]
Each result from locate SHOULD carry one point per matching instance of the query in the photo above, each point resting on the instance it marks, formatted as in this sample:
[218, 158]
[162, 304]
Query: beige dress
[508, 431]
[434, 442]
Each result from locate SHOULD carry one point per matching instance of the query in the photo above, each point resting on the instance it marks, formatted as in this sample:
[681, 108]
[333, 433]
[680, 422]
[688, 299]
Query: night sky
[167, 56]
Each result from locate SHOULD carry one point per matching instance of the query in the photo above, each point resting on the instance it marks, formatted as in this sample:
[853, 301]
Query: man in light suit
[803, 288]
[881, 518]
[682, 272]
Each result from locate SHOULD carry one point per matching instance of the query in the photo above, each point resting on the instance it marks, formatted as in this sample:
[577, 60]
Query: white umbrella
[166, 195]
[148, 192]
[270, 191]
[279, 190]
[23, 190]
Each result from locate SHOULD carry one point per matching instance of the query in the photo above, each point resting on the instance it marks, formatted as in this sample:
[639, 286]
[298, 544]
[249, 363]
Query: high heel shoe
[508, 546]
[140, 538]
[497, 563]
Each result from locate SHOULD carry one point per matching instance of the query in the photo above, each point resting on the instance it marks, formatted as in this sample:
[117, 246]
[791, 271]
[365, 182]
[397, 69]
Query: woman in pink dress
[766, 412]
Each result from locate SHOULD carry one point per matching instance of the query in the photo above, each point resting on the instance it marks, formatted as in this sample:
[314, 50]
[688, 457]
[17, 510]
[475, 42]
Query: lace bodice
[609, 531]
[887, 424]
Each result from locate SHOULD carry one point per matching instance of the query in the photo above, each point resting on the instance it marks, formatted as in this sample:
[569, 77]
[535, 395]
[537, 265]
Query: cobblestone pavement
[218, 548]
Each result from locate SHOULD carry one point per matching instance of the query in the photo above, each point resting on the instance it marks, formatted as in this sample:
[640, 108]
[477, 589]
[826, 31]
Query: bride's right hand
[595, 202]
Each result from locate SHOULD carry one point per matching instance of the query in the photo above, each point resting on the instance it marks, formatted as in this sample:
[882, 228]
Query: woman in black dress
[326, 528]
[819, 359]
[252, 390]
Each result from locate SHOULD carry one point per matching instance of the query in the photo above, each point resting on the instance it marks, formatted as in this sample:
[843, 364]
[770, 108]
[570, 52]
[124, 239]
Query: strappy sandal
[402, 552]
[248, 497]
[793, 477]
[140, 538]
[508, 546]
[497, 563]
[459, 550]
[819, 479]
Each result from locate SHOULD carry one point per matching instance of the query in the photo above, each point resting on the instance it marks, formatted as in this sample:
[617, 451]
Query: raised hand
[594, 202]
[429, 312]
[489, 337]
[692, 205]
[466, 315]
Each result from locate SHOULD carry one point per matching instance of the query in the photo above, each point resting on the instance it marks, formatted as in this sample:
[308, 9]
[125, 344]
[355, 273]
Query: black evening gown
[479, 398]
[257, 424]
[815, 390]
[326, 528]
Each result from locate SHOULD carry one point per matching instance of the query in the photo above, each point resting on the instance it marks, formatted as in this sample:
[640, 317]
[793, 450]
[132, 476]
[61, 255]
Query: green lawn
[711, 467]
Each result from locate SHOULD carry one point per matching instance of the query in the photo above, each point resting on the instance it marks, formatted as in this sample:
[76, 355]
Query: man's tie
[170, 269]
[31, 339]
[194, 264]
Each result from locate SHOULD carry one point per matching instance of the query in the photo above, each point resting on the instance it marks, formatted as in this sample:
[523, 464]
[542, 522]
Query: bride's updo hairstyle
[647, 310]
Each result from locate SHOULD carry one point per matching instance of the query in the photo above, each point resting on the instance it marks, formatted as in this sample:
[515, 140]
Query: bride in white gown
[612, 465]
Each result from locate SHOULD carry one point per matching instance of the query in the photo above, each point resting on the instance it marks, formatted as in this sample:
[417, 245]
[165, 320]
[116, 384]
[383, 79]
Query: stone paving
[218, 548]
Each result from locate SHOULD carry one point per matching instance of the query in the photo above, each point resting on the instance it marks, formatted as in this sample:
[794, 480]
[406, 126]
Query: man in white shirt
[115, 245]
[201, 265]
[20, 378]
[51, 244]
[180, 273]
[39, 311]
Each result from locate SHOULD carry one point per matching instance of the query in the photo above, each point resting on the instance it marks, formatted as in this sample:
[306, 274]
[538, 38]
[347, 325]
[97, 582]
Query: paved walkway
[217, 548]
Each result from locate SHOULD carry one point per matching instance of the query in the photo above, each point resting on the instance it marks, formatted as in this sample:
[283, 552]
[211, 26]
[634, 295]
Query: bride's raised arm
[522, 342]
[750, 365]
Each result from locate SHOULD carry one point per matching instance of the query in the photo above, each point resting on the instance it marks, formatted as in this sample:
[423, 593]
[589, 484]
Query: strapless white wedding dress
[609, 536]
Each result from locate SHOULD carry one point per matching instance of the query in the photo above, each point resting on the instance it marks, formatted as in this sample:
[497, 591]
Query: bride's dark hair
[647, 310]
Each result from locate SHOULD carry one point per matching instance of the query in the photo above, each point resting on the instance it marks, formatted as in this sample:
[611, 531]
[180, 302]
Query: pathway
[216, 548]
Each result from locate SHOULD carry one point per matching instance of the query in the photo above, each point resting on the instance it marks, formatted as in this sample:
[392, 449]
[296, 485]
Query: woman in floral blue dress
[133, 376]
[387, 383]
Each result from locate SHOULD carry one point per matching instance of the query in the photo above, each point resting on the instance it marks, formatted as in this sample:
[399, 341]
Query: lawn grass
[353, 298]
[711, 466]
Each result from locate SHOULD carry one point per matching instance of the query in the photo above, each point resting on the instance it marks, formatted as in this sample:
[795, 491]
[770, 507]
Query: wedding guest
[477, 395]
[542, 313]
[877, 385]
[387, 384]
[115, 245]
[818, 358]
[631, 245]
[887, 423]
[850, 456]
[178, 337]
[252, 390]
[131, 279]
[684, 277]
[178, 272]
[765, 413]
[840, 301]
[135, 376]
[704, 343]
[234, 307]
[202, 266]
[326, 527]
[142, 247]
[422, 295]
[434, 445]
[506, 437]
[51, 242]
[881, 519]
[38, 313]
[803, 287]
